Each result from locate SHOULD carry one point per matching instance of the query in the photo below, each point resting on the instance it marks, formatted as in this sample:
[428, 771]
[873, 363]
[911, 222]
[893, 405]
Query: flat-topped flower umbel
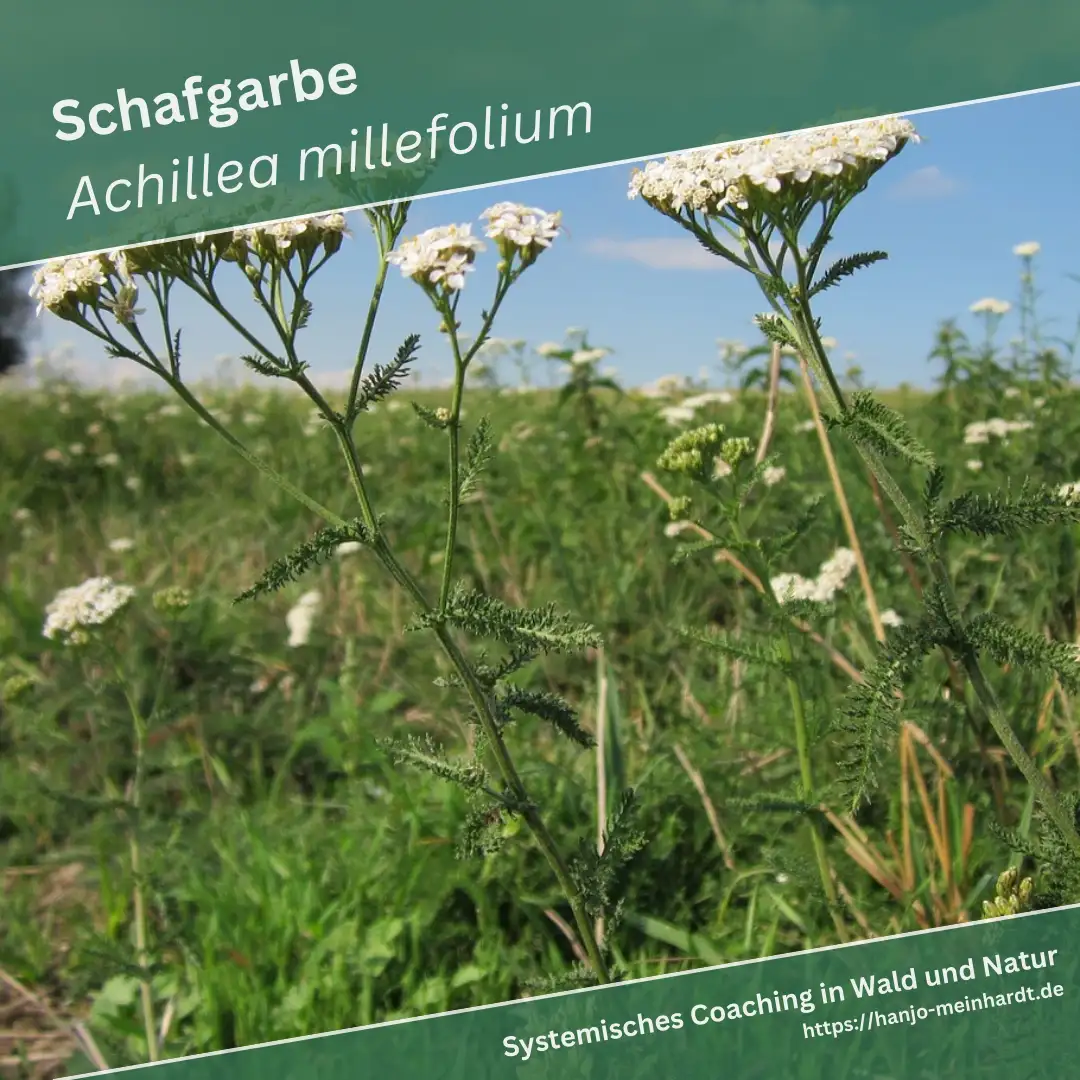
[708, 181]
[93, 603]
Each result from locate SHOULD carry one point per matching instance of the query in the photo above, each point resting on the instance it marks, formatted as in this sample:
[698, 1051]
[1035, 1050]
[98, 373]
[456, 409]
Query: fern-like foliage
[809, 610]
[599, 877]
[984, 515]
[303, 316]
[1012, 645]
[384, 379]
[845, 268]
[477, 458]
[545, 706]
[871, 710]
[1059, 869]
[422, 753]
[310, 553]
[578, 977]
[526, 630]
[875, 426]
[269, 368]
[763, 655]
[777, 331]
[437, 421]
[693, 548]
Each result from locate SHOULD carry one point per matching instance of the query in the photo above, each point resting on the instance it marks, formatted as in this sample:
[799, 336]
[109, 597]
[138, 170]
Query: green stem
[369, 322]
[1053, 806]
[454, 433]
[461, 366]
[146, 991]
[537, 825]
[477, 695]
[802, 748]
[270, 473]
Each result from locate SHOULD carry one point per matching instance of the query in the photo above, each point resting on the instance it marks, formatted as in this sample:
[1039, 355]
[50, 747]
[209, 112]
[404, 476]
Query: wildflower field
[465, 694]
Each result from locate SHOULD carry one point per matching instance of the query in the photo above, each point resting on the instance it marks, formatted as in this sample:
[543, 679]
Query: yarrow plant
[87, 621]
[78, 611]
[109, 295]
[725, 469]
[585, 378]
[770, 207]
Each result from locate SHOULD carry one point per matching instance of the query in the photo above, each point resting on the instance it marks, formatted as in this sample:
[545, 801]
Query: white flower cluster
[1070, 492]
[300, 619]
[444, 255]
[712, 179]
[983, 430]
[283, 235]
[75, 610]
[587, 357]
[1028, 249]
[685, 411]
[665, 386]
[989, 306]
[78, 278]
[832, 577]
[526, 228]
[674, 529]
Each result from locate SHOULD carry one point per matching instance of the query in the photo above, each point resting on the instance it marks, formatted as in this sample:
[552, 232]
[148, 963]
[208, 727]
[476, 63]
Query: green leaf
[382, 380]
[599, 877]
[431, 417]
[693, 548]
[871, 710]
[422, 753]
[548, 707]
[1012, 645]
[310, 553]
[765, 655]
[524, 630]
[995, 514]
[477, 458]
[844, 268]
[877, 427]
[781, 543]
[270, 368]
[777, 330]
[934, 489]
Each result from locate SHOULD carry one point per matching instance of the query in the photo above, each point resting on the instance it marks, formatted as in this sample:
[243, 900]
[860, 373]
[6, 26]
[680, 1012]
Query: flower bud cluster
[70, 286]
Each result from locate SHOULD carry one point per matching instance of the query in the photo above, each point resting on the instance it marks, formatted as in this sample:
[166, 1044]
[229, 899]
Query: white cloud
[927, 183]
[659, 253]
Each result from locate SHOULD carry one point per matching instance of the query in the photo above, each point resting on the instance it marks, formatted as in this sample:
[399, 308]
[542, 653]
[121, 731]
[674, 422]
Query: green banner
[176, 119]
[988, 1000]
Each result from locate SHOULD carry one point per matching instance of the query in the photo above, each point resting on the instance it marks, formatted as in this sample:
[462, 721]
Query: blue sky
[948, 211]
